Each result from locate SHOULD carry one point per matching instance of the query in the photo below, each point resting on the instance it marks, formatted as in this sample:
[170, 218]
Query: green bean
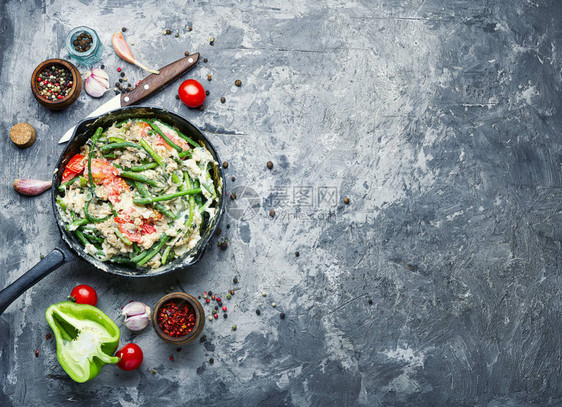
[151, 151]
[144, 193]
[143, 167]
[121, 236]
[140, 256]
[166, 138]
[154, 252]
[166, 197]
[185, 153]
[113, 146]
[92, 239]
[116, 140]
[112, 156]
[138, 177]
[113, 211]
[92, 218]
[121, 260]
[81, 237]
[90, 156]
[191, 202]
[77, 223]
[190, 141]
[121, 123]
[62, 187]
[61, 203]
[83, 181]
[136, 248]
[165, 255]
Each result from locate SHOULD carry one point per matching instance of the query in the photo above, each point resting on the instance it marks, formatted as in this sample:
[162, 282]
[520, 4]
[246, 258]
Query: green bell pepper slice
[86, 338]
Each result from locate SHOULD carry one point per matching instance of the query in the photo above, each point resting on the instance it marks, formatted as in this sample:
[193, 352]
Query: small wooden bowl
[75, 90]
[180, 297]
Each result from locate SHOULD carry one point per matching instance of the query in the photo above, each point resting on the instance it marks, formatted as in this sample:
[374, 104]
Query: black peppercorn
[258, 312]
[269, 165]
[238, 82]
[205, 60]
[282, 315]
[124, 29]
[223, 245]
[223, 99]
[211, 361]
[225, 164]
[272, 213]
[235, 280]
[207, 93]
[297, 254]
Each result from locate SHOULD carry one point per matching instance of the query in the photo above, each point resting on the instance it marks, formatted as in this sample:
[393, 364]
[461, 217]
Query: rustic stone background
[440, 120]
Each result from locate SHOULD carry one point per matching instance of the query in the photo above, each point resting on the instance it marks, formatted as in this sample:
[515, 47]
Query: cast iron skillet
[71, 249]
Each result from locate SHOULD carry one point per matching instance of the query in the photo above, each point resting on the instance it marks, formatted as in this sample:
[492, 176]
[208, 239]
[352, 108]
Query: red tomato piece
[192, 93]
[84, 294]
[130, 356]
[147, 229]
[130, 230]
[74, 167]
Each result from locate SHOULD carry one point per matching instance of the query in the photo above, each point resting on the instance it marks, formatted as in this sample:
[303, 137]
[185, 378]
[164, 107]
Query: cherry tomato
[130, 355]
[84, 294]
[192, 93]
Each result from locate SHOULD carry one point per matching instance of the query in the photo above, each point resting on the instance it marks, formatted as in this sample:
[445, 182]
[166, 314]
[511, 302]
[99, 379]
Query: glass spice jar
[86, 57]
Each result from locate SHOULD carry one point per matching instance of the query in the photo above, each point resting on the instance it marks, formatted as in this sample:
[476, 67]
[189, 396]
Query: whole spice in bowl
[178, 318]
[56, 83]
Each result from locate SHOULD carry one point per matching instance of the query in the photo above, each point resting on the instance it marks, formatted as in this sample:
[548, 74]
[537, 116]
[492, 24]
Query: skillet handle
[50, 262]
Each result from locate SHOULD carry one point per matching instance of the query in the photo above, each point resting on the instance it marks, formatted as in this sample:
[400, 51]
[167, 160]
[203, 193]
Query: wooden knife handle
[153, 83]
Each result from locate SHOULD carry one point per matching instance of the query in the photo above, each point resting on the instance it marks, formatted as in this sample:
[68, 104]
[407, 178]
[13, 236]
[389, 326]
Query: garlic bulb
[137, 315]
[96, 82]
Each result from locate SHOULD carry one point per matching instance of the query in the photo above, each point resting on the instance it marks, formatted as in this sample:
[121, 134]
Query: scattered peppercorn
[167, 32]
[190, 29]
[228, 296]
[210, 293]
[207, 93]
[258, 312]
[346, 200]
[223, 245]
[223, 99]
[211, 361]
[178, 349]
[235, 280]
[171, 358]
[216, 315]
[48, 336]
[102, 67]
[209, 77]
[269, 165]
[37, 353]
[177, 35]
[231, 292]
[233, 196]
[122, 74]
[297, 254]
[119, 69]
[225, 315]
[203, 338]
[263, 293]
[205, 60]
[219, 300]
[370, 301]
[282, 315]
[228, 225]
[218, 231]
[273, 304]
[210, 317]
[233, 179]
[199, 297]
[201, 108]
[153, 371]
[186, 53]
[238, 82]
[272, 213]
[124, 29]
[225, 164]
[234, 327]
[125, 79]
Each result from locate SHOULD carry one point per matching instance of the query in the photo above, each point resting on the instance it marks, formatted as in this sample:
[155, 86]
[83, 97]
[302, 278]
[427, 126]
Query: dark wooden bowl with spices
[178, 318]
[56, 83]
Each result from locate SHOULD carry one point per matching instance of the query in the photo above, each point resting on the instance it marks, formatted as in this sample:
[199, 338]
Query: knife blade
[148, 86]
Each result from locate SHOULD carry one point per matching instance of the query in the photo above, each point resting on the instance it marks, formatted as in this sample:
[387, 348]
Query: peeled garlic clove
[137, 315]
[96, 84]
[31, 187]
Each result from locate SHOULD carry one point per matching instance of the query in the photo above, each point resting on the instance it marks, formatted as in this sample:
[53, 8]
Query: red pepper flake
[48, 336]
[176, 319]
[37, 353]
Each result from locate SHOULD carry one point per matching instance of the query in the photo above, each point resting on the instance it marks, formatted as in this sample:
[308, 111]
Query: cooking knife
[149, 86]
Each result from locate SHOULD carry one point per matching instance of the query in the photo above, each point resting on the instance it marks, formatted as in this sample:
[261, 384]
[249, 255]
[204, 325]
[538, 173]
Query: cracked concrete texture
[438, 119]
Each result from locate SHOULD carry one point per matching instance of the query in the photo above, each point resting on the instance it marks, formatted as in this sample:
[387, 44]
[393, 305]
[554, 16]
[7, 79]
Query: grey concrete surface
[440, 120]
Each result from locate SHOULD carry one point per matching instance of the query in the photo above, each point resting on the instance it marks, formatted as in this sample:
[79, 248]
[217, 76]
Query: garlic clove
[31, 187]
[96, 84]
[137, 315]
[122, 49]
